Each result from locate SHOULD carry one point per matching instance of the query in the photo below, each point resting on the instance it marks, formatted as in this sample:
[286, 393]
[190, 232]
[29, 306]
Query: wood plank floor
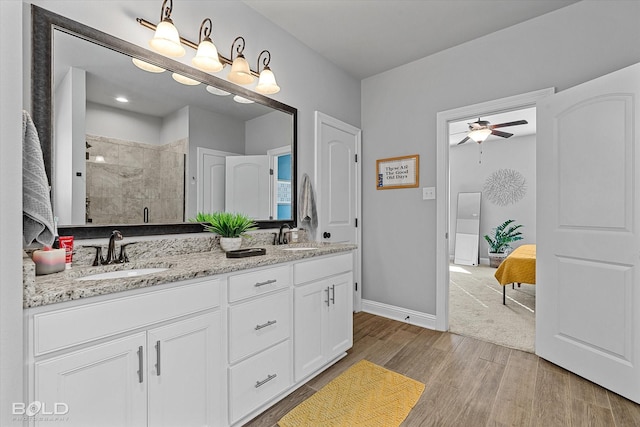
[471, 382]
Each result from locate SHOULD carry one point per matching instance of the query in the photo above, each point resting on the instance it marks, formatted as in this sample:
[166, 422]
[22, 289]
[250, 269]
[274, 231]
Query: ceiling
[368, 37]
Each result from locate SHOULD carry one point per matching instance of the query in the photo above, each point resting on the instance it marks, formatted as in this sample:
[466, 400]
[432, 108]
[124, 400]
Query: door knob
[326, 235]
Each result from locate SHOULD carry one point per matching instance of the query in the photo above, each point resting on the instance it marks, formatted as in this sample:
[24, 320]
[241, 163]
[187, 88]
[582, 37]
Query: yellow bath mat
[364, 395]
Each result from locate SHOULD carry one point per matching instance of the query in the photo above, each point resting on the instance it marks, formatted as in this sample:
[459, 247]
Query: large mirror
[149, 163]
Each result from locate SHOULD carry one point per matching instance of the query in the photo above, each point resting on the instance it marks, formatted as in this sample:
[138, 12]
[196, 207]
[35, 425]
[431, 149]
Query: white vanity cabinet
[260, 353]
[148, 359]
[323, 307]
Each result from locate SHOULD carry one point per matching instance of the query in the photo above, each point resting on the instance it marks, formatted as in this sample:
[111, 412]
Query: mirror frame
[43, 24]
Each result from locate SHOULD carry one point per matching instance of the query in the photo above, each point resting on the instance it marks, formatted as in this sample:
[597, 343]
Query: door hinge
[356, 158]
[446, 235]
[270, 171]
[356, 286]
[356, 222]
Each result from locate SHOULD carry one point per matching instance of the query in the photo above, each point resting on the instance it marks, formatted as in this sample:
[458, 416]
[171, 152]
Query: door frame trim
[443, 118]
[319, 119]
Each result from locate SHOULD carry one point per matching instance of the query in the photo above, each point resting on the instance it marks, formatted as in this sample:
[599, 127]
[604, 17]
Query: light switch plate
[428, 193]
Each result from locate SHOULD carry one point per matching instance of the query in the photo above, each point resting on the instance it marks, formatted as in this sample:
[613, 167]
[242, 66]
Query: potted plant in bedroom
[500, 241]
[229, 226]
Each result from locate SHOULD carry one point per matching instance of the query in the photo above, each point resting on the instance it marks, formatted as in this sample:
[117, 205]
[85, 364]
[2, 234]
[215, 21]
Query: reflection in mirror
[137, 147]
[467, 229]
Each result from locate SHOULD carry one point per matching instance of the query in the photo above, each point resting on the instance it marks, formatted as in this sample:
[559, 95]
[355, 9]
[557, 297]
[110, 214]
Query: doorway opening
[445, 120]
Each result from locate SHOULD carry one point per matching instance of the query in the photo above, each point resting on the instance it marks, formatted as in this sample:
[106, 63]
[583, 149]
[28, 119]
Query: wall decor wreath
[504, 187]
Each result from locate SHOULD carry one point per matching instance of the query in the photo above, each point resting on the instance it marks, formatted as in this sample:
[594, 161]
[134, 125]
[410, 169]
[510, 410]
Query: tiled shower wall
[135, 176]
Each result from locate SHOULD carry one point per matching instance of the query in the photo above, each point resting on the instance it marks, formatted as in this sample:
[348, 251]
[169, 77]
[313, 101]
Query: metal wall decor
[504, 187]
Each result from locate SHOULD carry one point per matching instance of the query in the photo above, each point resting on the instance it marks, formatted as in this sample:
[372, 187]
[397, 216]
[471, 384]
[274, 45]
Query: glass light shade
[479, 135]
[267, 83]
[184, 80]
[206, 58]
[215, 91]
[242, 100]
[240, 72]
[166, 40]
[146, 66]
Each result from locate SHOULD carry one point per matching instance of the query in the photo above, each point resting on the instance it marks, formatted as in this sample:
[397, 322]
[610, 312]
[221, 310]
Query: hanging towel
[37, 215]
[307, 212]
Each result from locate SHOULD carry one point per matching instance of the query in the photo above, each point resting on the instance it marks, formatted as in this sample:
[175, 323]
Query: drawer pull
[333, 294]
[266, 282]
[266, 380]
[140, 363]
[158, 358]
[327, 301]
[264, 325]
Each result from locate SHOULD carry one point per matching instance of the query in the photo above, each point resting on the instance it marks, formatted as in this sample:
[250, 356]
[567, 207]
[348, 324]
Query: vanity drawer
[258, 324]
[259, 379]
[308, 271]
[247, 285]
[59, 329]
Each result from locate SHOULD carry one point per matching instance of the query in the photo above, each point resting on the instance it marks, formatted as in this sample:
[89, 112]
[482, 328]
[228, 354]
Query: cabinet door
[340, 318]
[310, 310]
[185, 375]
[103, 385]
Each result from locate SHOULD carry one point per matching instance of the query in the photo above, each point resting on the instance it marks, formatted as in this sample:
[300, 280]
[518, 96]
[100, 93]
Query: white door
[247, 186]
[103, 385]
[338, 187]
[185, 384]
[588, 251]
[211, 179]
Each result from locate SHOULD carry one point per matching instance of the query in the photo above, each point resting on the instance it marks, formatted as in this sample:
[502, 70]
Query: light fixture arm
[265, 61]
[239, 48]
[205, 30]
[165, 12]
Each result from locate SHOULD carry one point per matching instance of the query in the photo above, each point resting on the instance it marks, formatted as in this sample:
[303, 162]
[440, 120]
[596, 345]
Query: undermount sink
[122, 274]
[299, 248]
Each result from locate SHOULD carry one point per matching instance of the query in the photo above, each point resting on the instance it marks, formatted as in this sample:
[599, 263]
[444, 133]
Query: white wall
[103, 120]
[468, 174]
[560, 49]
[269, 131]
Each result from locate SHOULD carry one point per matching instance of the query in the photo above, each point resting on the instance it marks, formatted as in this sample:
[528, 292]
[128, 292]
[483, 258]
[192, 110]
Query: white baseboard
[398, 313]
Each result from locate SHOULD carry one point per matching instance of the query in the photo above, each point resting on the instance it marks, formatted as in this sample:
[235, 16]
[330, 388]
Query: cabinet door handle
[140, 362]
[266, 282]
[264, 325]
[333, 294]
[327, 301]
[158, 358]
[266, 380]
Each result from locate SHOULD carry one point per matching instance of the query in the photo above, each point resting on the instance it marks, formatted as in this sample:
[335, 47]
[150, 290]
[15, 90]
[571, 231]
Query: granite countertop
[59, 287]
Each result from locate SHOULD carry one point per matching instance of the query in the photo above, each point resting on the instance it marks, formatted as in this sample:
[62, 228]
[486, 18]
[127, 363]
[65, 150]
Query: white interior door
[588, 254]
[211, 180]
[338, 187]
[247, 186]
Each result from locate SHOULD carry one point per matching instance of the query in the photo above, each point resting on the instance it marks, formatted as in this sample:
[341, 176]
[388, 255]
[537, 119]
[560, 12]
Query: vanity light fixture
[206, 58]
[241, 100]
[479, 135]
[166, 39]
[215, 91]
[184, 80]
[206, 53]
[146, 66]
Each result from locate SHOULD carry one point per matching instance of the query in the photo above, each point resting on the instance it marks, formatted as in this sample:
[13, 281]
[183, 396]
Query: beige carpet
[476, 310]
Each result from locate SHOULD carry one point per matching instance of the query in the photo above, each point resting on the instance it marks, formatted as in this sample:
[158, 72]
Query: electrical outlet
[428, 193]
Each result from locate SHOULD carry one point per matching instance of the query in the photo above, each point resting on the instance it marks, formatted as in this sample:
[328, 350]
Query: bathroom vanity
[210, 341]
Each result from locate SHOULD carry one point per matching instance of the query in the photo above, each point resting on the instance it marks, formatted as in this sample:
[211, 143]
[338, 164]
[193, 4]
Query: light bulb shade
[206, 58]
[184, 80]
[479, 135]
[215, 91]
[267, 83]
[240, 72]
[146, 66]
[239, 99]
[166, 40]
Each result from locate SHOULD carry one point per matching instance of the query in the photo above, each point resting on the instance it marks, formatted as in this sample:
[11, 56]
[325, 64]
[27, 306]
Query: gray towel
[307, 212]
[37, 215]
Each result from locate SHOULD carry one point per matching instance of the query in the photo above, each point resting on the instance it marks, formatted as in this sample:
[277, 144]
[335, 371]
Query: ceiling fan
[480, 130]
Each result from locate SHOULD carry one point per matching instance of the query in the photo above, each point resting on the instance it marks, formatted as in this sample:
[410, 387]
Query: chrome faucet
[111, 252]
[282, 237]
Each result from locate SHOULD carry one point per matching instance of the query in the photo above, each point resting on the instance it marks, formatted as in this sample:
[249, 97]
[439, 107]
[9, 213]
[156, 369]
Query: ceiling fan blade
[504, 125]
[500, 133]
[464, 140]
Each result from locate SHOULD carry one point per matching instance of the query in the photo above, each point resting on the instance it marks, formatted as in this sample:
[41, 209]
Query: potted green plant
[229, 226]
[503, 235]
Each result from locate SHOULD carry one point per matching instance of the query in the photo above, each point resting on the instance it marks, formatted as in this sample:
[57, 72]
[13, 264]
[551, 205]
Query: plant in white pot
[229, 226]
[500, 242]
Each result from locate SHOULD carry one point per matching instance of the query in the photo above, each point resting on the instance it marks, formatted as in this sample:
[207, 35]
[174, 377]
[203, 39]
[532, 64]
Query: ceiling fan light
[240, 72]
[479, 135]
[267, 82]
[166, 40]
[206, 58]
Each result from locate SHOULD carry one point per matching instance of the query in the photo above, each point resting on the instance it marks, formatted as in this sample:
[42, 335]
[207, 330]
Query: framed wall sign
[398, 172]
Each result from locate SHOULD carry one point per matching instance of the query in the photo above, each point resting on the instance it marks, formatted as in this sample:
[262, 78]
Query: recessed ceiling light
[122, 99]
